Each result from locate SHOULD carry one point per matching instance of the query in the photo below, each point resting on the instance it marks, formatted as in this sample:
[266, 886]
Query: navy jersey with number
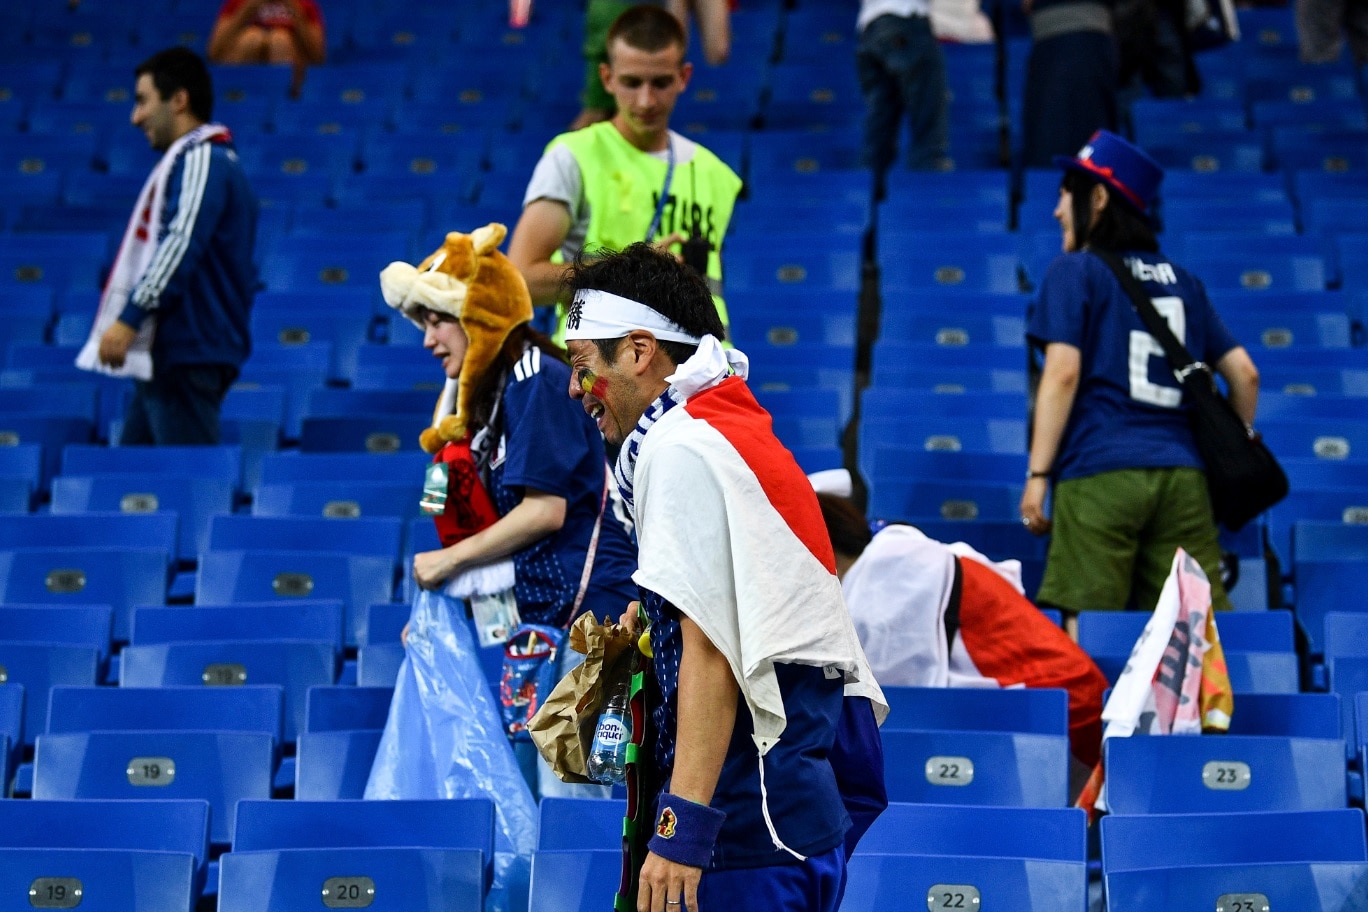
[1129, 410]
[550, 444]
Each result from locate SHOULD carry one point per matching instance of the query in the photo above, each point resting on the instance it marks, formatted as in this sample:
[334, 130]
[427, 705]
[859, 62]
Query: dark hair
[486, 392]
[643, 273]
[1119, 227]
[845, 524]
[647, 28]
[181, 68]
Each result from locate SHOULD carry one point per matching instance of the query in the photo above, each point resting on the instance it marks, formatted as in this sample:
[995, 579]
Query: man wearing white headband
[763, 699]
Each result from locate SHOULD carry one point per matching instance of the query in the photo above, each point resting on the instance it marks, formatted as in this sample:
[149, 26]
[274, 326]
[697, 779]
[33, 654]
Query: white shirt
[873, 9]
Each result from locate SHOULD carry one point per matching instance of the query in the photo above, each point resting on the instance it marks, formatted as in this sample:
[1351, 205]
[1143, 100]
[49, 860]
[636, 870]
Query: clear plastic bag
[444, 739]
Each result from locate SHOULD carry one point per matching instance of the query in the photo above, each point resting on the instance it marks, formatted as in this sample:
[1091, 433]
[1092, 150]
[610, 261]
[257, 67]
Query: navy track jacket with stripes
[202, 278]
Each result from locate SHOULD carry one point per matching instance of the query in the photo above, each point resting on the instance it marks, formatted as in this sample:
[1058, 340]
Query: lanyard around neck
[665, 190]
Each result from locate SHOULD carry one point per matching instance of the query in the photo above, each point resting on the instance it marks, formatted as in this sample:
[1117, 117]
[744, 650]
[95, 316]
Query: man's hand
[665, 883]
[432, 568]
[629, 617]
[1033, 507]
[672, 240]
[115, 342]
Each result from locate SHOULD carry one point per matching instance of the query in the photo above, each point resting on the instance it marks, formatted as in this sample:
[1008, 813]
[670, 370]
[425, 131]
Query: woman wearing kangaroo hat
[1110, 429]
[526, 479]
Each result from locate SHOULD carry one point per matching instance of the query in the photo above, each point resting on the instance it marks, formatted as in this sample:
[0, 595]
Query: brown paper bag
[563, 728]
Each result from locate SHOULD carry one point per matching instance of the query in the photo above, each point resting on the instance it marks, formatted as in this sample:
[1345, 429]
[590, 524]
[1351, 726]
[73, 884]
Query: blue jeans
[902, 68]
[178, 406]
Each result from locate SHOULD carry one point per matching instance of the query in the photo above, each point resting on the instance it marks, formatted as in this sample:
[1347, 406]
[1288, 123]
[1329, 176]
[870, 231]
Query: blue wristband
[685, 831]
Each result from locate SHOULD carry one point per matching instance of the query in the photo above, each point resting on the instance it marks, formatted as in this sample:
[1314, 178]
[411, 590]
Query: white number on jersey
[1143, 347]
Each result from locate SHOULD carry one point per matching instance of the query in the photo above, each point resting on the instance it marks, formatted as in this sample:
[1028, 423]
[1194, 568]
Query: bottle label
[611, 731]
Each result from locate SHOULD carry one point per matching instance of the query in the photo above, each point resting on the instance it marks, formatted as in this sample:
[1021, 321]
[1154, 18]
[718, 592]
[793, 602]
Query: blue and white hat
[1119, 165]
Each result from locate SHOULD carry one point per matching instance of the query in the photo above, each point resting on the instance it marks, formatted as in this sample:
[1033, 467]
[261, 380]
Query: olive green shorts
[1115, 535]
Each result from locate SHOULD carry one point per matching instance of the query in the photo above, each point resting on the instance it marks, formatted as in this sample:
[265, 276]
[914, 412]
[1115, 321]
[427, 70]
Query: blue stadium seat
[967, 330]
[574, 879]
[305, 118]
[460, 823]
[1334, 150]
[567, 824]
[1335, 215]
[803, 318]
[891, 404]
[1319, 474]
[50, 432]
[361, 433]
[948, 881]
[180, 826]
[382, 623]
[817, 267]
[1324, 587]
[962, 501]
[1209, 152]
[316, 620]
[344, 261]
[918, 261]
[296, 665]
[1054, 834]
[343, 708]
[976, 768]
[220, 767]
[301, 154]
[233, 84]
[346, 331]
[227, 577]
[1341, 439]
[411, 878]
[962, 434]
[250, 708]
[1254, 271]
[286, 468]
[1151, 841]
[1115, 633]
[357, 83]
[787, 150]
[1298, 715]
[374, 536]
[100, 880]
[11, 731]
[33, 155]
[338, 499]
[1248, 215]
[1031, 710]
[1158, 119]
[1313, 886]
[377, 665]
[1232, 773]
[804, 95]
[194, 500]
[1345, 505]
[894, 461]
[334, 765]
[83, 575]
[223, 462]
[70, 625]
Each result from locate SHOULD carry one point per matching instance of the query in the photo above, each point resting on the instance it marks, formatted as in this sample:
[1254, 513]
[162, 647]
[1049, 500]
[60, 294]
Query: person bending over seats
[936, 615]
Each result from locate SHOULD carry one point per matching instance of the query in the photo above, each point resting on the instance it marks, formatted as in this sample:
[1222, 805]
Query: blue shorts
[815, 885]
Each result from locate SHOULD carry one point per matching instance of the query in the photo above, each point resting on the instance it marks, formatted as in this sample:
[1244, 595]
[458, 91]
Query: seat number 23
[1143, 347]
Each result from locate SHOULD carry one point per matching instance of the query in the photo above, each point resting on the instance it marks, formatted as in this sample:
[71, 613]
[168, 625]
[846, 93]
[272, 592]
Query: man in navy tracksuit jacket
[201, 279]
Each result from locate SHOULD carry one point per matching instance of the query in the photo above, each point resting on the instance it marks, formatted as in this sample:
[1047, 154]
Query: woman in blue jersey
[1110, 428]
[537, 455]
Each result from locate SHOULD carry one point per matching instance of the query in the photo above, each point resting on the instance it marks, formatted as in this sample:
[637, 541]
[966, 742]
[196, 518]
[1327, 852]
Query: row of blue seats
[975, 748]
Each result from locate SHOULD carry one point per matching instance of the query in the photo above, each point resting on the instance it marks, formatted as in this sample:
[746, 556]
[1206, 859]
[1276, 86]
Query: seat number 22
[1143, 347]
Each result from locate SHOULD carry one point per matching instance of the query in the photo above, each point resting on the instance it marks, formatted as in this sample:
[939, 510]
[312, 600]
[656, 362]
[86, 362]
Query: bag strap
[593, 549]
[1179, 358]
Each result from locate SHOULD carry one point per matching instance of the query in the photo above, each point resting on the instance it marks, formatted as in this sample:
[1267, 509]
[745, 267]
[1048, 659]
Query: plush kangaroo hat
[469, 279]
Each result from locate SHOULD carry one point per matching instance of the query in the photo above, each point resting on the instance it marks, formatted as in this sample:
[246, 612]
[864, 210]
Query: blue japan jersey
[799, 790]
[1129, 410]
[551, 445]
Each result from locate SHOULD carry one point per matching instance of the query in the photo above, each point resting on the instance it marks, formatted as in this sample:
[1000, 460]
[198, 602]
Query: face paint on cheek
[591, 382]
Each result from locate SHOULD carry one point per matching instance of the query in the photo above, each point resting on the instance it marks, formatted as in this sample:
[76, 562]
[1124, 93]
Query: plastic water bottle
[608, 756]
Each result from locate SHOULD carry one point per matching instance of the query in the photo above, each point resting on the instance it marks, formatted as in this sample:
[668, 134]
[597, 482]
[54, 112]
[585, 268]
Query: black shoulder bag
[1242, 475]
